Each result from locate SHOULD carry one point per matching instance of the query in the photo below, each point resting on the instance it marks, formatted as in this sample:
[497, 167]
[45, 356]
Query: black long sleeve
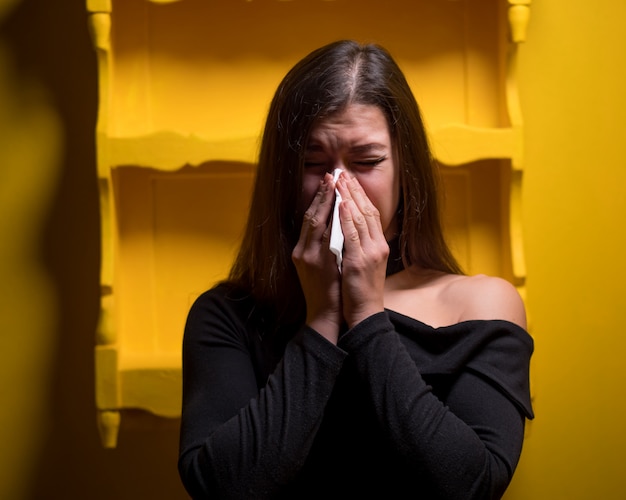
[237, 441]
[467, 448]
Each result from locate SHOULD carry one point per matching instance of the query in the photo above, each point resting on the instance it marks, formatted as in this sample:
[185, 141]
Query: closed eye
[371, 162]
[368, 162]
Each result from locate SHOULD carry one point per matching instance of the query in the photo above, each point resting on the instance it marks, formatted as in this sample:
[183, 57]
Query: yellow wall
[573, 72]
[572, 90]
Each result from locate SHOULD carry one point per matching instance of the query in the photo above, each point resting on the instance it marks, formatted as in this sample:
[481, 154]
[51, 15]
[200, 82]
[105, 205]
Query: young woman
[393, 376]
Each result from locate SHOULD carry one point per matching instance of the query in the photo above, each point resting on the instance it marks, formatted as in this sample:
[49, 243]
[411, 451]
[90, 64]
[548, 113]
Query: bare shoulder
[487, 298]
[440, 299]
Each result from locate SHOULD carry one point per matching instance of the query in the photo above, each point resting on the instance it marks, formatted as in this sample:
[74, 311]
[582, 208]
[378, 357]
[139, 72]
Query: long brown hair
[322, 83]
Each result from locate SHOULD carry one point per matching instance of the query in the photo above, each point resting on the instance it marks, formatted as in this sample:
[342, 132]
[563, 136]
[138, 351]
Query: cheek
[310, 186]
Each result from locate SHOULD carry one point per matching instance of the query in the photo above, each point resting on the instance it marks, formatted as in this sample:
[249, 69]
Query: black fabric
[397, 409]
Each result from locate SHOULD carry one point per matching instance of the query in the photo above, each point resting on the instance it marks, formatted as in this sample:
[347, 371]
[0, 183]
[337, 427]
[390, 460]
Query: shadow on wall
[30, 138]
[49, 266]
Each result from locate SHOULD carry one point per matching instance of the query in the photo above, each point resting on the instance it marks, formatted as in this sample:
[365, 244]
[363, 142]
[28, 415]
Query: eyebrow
[359, 148]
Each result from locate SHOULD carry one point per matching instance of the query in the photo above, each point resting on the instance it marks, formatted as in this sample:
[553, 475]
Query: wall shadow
[49, 42]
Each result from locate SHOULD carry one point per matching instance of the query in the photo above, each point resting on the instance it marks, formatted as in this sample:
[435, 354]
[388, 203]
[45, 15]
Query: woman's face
[357, 140]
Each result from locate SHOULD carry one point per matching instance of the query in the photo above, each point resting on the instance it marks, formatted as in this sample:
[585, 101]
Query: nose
[342, 164]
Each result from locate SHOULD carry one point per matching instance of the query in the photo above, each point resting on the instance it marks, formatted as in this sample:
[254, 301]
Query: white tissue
[336, 234]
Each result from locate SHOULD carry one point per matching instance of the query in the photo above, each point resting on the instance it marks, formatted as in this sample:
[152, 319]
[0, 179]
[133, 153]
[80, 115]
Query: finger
[316, 216]
[351, 189]
[353, 226]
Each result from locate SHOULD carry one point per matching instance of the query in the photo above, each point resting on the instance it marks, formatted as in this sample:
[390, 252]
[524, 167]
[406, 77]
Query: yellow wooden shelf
[184, 87]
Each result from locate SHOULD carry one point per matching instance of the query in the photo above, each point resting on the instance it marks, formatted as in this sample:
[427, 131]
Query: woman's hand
[317, 267]
[365, 253]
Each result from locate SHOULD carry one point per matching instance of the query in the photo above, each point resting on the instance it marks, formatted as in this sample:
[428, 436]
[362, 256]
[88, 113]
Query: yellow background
[573, 76]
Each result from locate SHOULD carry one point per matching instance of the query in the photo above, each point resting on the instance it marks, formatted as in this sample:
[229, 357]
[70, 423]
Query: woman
[394, 376]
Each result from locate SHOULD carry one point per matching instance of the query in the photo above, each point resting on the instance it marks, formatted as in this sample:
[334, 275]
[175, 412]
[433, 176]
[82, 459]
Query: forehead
[354, 124]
